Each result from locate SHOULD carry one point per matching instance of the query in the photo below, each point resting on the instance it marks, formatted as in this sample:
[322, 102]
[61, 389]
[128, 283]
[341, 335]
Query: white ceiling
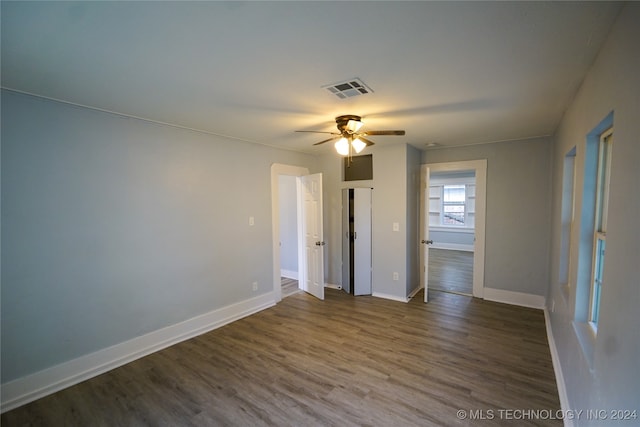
[452, 73]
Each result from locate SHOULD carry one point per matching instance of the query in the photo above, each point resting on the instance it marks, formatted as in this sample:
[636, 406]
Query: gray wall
[113, 227]
[613, 84]
[389, 205]
[395, 174]
[414, 157]
[451, 237]
[518, 206]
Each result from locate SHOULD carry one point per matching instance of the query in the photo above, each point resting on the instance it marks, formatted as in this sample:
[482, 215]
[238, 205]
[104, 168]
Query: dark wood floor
[345, 361]
[451, 271]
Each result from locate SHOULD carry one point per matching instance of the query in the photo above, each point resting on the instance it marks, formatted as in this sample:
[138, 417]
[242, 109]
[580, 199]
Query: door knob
[427, 242]
[320, 243]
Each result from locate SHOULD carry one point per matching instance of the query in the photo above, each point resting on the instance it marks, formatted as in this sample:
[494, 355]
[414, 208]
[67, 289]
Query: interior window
[453, 204]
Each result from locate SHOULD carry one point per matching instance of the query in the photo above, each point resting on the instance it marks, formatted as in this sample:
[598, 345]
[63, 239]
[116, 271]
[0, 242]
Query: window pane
[453, 215]
[597, 280]
[604, 171]
[602, 206]
[454, 193]
[453, 207]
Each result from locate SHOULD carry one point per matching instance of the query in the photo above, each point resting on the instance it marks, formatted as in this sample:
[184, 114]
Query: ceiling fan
[350, 135]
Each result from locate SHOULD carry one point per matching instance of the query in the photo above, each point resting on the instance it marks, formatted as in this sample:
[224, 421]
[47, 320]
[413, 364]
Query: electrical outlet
[396, 226]
[255, 286]
[396, 276]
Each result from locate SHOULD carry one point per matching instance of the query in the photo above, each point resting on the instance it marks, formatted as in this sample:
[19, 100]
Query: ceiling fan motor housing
[342, 122]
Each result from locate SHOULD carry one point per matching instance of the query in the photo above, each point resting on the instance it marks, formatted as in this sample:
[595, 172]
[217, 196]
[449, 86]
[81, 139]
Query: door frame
[480, 167]
[278, 169]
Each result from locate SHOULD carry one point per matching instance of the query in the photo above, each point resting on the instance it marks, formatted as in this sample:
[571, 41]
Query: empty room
[320, 213]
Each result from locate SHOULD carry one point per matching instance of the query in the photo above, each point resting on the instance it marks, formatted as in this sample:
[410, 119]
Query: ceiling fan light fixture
[358, 145]
[342, 147]
[353, 126]
[351, 139]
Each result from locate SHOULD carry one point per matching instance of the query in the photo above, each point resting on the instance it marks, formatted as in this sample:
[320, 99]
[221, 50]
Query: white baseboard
[289, 274]
[514, 298]
[557, 369]
[388, 296]
[37, 385]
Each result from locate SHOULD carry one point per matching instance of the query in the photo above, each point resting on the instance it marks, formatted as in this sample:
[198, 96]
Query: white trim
[289, 274]
[390, 297]
[414, 292]
[278, 169]
[452, 246]
[514, 298]
[37, 385]
[557, 369]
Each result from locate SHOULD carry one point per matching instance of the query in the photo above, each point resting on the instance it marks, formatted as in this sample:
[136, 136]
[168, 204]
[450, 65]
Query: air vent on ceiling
[349, 88]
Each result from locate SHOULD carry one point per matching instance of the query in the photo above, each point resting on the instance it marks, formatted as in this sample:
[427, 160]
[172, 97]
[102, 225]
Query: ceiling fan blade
[326, 140]
[384, 132]
[317, 131]
[366, 141]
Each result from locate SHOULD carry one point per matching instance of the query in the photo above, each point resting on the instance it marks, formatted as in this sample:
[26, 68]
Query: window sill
[587, 339]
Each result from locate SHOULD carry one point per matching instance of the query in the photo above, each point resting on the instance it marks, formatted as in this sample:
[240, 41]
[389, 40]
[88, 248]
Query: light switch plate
[396, 226]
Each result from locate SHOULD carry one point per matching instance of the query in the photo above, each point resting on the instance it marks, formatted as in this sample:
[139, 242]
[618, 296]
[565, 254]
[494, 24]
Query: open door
[346, 241]
[311, 260]
[424, 232]
[356, 240]
[362, 241]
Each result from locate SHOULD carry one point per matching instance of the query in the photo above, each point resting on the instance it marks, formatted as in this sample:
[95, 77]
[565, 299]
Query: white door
[362, 241]
[346, 242]
[311, 264]
[424, 232]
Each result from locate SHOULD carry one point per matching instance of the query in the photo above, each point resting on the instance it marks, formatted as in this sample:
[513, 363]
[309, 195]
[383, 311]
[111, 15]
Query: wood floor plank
[451, 270]
[345, 361]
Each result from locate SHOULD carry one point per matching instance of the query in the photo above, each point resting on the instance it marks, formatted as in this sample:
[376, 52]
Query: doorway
[356, 241]
[282, 173]
[451, 213]
[452, 229]
[288, 208]
[309, 230]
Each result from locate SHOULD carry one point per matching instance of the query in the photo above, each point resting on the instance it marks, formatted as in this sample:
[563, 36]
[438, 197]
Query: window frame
[463, 204]
[603, 180]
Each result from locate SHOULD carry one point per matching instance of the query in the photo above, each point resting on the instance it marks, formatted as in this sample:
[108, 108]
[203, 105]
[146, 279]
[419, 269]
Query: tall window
[567, 214]
[600, 228]
[453, 204]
